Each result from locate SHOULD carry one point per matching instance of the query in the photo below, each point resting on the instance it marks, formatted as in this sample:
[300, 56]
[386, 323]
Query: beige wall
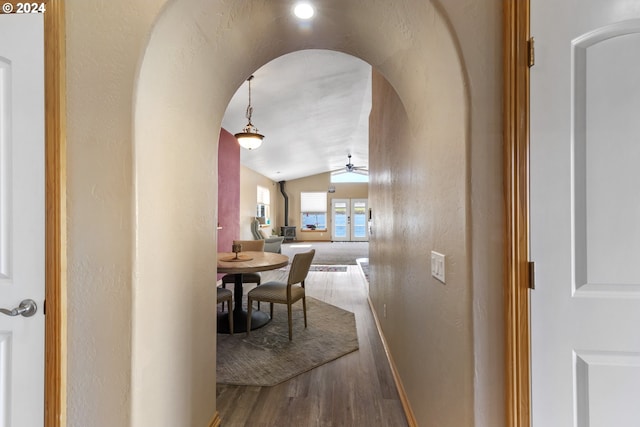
[174, 239]
[249, 181]
[318, 182]
[145, 102]
[477, 26]
[418, 200]
[104, 44]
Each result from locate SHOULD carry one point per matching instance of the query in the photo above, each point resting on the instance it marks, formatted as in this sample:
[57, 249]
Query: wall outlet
[437, 266]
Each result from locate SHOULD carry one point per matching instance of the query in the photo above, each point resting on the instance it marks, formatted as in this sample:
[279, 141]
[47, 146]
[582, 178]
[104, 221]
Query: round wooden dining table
[246, 262]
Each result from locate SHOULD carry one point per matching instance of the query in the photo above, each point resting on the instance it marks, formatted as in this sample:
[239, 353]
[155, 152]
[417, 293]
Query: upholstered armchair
[271, 243]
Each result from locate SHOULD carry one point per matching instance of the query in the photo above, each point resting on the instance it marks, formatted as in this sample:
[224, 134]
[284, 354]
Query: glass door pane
[359, 220]
[340, 216]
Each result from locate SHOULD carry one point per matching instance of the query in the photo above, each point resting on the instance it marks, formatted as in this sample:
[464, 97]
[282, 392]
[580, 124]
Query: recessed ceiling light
[303, 10]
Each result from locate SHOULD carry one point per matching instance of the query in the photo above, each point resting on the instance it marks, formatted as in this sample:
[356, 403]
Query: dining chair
[247, 245]
[225, 295]
[284, 293]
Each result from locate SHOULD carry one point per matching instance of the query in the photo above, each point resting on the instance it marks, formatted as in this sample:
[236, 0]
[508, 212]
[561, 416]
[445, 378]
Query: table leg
[237, 294]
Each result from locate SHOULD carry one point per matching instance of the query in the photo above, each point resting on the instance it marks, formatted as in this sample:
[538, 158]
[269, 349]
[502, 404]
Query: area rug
[322, 268]
[330, 268]
[267, 357]
[329, 253]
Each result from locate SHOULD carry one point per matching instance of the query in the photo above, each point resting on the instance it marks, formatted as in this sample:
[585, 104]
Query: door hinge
[532, 275]
[532, 52]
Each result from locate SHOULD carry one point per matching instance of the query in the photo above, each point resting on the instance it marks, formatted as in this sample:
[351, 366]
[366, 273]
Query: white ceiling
[313, 108]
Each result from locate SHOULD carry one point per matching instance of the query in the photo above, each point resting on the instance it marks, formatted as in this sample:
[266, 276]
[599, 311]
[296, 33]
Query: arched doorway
[190, 69]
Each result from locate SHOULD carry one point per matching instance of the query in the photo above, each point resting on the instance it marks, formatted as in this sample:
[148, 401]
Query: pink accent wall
[228, 191]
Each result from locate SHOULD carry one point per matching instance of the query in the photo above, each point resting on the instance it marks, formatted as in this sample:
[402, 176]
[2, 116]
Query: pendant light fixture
[249, 138]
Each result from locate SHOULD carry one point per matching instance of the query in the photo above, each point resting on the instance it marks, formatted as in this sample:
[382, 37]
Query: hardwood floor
[354, 390]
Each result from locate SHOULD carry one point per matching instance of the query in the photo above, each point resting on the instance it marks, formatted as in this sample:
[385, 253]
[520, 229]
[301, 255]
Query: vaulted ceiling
[313, 108]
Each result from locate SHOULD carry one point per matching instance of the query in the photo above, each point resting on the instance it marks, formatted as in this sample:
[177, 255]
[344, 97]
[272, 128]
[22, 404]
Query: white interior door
[21, 218]
[585, 213]
[349, 219]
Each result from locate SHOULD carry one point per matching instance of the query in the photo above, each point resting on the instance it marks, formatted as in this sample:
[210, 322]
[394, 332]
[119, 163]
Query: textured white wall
[477, 26]
[103, 48]
[175, 179]
[140, 262]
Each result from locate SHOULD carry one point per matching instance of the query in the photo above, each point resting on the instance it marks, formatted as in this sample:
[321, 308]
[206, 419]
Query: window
[313, 207]
[264, 201]
[349, 177]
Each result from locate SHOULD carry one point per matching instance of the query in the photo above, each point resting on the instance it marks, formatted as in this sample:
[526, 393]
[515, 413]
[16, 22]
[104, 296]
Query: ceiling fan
[350, 167]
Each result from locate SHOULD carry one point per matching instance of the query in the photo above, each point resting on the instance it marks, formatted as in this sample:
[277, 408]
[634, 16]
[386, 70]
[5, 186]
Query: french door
[349, 219]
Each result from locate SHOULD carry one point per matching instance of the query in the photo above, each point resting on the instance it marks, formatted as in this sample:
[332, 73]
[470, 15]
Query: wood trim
[215, 421]
[516, 190]
[55, 228]
[408, 412]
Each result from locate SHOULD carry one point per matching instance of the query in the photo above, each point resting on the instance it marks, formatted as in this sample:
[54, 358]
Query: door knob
[27, 308]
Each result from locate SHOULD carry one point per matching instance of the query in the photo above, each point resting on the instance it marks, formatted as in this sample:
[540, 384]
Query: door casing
[517, 277]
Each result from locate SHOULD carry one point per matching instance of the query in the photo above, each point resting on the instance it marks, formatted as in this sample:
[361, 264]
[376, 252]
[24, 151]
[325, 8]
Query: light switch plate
[437, 266]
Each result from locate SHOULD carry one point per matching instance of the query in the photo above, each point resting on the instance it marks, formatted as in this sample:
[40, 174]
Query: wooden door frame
[55, 228]
[516, 192]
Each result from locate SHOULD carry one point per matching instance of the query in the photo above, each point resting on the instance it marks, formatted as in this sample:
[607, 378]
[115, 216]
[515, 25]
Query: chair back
[300, 266]
[255, 230]
[250, 245]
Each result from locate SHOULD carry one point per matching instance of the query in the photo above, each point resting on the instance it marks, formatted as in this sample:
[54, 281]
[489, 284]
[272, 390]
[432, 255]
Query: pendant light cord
[249, 107]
